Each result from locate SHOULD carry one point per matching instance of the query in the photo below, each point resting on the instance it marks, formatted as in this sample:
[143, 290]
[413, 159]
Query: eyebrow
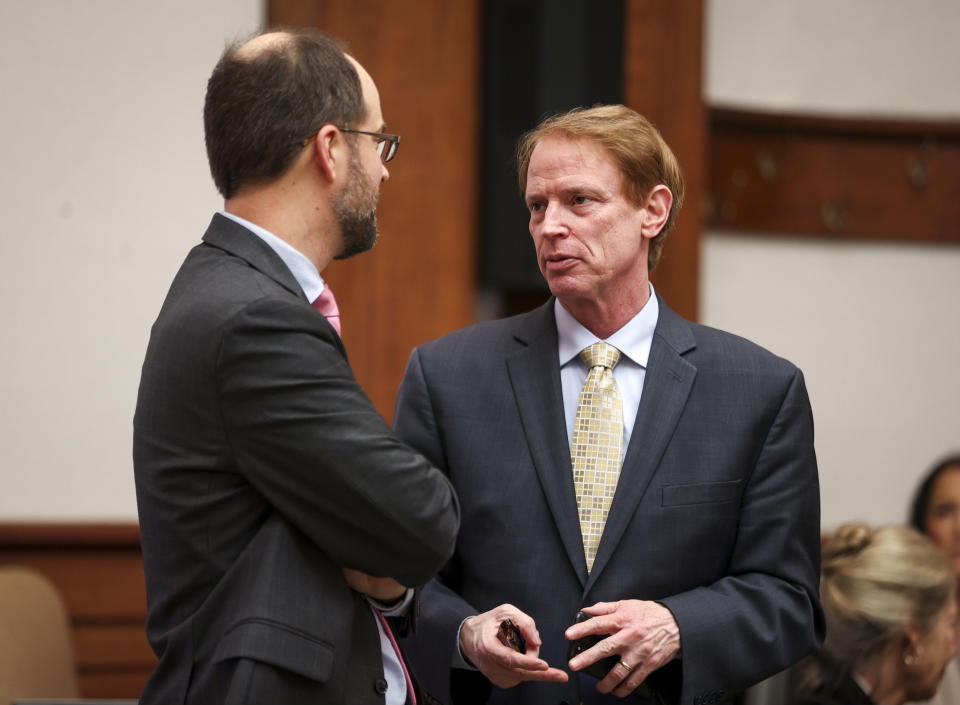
[572, 190]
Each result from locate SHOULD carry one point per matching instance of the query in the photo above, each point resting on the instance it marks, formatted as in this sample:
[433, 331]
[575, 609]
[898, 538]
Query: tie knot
[600, 355]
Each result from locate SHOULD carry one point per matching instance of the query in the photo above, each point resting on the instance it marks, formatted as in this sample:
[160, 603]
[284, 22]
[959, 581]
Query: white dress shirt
[633, 341]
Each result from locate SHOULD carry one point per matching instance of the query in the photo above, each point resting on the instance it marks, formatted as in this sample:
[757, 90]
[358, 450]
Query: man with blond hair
[614, 460]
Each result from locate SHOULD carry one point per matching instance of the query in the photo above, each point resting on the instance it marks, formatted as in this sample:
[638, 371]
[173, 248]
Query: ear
[911, 649]
[658, 210]
[329, 151]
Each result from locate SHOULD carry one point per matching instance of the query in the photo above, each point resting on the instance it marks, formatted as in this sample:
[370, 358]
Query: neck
[294, 214]
[604, 317]
[883, 675]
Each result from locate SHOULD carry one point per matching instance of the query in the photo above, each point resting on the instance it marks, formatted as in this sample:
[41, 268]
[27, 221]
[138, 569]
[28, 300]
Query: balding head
[267, 95]
[270, 41]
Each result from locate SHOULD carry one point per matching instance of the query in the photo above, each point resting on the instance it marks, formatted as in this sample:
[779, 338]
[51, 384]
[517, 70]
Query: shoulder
[217, 297]
[217, 284]
[712, 349]
[492, 338]
[731, 351]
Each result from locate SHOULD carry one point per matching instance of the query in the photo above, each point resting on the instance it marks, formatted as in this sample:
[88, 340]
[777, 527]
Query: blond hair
[877, 582]
[643, 157]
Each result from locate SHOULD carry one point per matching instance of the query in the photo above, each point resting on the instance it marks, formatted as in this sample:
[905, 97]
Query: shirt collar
[633, 339]
[302, 269]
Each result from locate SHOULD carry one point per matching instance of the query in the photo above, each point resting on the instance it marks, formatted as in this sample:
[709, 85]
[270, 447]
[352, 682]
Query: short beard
[356, 211]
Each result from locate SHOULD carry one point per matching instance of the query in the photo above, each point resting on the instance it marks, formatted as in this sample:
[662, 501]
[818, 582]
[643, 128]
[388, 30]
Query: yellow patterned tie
[597, 442]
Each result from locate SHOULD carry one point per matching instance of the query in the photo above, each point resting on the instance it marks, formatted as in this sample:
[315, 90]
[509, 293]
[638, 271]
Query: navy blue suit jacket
[716, 513]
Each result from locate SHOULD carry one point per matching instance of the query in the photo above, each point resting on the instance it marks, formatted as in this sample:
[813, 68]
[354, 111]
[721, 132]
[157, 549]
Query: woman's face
[933, 652]
[942, 521]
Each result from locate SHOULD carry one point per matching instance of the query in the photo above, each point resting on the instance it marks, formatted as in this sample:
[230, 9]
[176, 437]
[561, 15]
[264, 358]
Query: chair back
[36, 643]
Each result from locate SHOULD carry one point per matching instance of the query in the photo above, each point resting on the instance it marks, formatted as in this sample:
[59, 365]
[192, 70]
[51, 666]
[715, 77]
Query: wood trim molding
[808, 123]
[839, 178]
[69, 534]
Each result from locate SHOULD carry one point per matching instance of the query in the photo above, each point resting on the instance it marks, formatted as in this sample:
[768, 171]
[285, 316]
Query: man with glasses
[270, 491]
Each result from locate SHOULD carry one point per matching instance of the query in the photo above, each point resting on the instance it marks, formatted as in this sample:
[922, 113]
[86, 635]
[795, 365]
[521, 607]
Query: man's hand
[381, 589]
[503, 666]
[643, 634]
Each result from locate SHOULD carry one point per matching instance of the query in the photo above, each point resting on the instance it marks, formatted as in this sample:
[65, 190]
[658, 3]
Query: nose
[385, 176]
[553, 223]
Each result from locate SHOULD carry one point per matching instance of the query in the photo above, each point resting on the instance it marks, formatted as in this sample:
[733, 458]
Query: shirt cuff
[459, 660]
[396, 609]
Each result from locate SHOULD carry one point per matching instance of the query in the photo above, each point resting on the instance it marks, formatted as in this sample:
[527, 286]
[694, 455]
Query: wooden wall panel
[98, 570]
[121, 646]
[419, 281]
[799, 175]
[663, 81]
[97, 583]
[111, 683]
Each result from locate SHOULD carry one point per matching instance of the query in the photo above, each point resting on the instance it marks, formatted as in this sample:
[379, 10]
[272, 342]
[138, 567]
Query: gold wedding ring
[624, 664]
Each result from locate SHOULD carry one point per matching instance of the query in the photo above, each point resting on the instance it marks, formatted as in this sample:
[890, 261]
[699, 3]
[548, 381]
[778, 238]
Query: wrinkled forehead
[562, 158]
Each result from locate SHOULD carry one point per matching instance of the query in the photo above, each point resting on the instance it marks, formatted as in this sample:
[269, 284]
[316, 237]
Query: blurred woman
[936, 512]
[888, 597]
[936, 508]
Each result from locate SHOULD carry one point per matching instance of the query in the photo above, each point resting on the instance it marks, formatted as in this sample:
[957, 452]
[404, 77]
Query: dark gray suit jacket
[716, 514]
[261, 469]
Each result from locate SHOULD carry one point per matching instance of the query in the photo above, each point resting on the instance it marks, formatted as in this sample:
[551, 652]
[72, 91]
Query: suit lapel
[229, 236]
[666, 387]
[535, 377]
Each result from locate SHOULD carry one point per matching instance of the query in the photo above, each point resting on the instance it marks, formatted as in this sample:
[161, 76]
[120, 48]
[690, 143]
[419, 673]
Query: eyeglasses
[386, 144]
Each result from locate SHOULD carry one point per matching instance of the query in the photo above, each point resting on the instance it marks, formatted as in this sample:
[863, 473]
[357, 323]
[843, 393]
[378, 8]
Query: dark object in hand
[600, 669]
[509, 635]
[597, 669]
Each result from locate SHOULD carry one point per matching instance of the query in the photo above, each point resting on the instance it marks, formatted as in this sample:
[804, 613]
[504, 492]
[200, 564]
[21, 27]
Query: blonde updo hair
[875, 583]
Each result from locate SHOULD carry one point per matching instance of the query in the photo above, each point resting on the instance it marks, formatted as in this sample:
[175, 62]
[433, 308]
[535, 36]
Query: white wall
[104, 187]
[875, 327]
[853, 57]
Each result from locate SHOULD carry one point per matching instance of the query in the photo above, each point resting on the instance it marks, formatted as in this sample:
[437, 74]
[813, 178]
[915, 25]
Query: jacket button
[380, 685]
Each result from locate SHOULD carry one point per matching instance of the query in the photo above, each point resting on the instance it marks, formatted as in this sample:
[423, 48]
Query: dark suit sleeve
[765, 614]
[442, 609]
[309, 440]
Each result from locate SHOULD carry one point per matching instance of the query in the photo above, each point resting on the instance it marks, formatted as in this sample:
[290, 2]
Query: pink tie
[326, 305]
[411, 698]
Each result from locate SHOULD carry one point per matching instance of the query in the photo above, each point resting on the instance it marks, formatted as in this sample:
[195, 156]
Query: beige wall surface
[849, 57]
[104, 187]
[875, 327]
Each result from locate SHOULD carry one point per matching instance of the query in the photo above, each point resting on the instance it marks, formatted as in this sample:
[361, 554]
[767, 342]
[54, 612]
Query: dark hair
[643, 157]
[261, 105]
[921, 500]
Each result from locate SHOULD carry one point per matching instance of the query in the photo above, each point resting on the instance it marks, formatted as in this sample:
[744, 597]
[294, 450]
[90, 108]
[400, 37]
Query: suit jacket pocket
[701, 493]
[279, 646]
